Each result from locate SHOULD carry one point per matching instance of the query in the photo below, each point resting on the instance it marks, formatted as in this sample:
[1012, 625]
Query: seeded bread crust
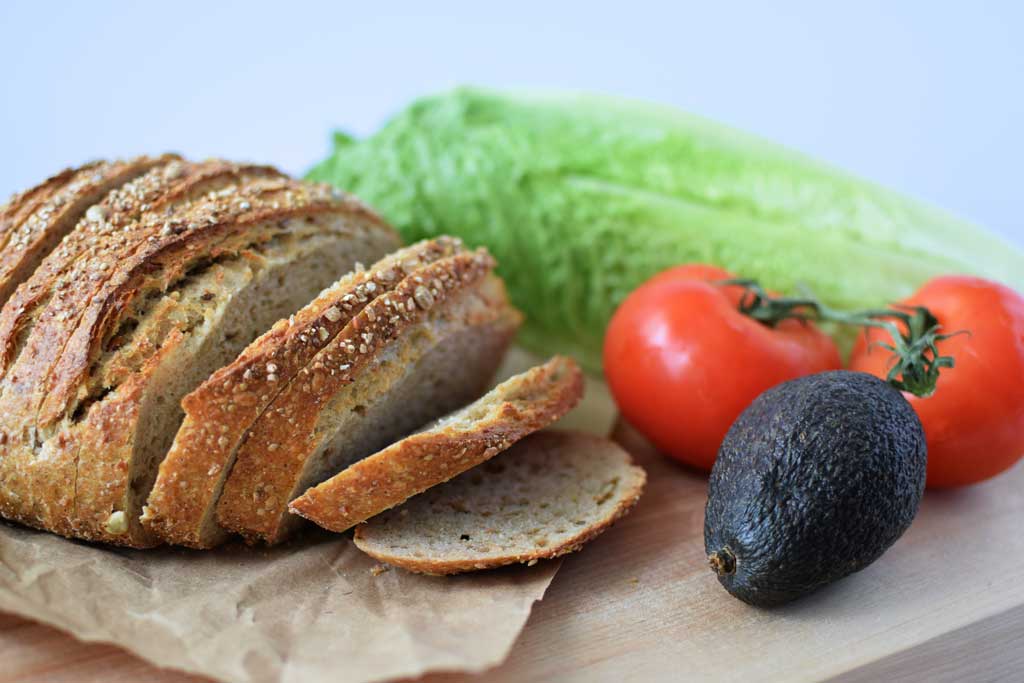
[446, 529]
[519, 406]
[224, 226]
[23, 204]
[270, 462]
[117, 226]
[181, 507]
[63, 398]
[27, 244]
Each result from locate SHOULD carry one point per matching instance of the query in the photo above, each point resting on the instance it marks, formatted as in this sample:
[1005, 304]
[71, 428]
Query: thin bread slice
[181, 508]
[413, 354]
[515, 408]
[89, 409]
[55, 209]
[544, 497]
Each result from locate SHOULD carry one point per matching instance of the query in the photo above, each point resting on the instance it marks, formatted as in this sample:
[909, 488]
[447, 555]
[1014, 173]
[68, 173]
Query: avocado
[814, 481]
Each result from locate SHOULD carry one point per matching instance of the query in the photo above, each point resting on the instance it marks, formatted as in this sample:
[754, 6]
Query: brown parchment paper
[309, 611]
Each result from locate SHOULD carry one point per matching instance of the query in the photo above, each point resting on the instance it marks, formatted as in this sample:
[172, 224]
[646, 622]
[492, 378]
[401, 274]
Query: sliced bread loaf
[36, 220]
[516, 407]
[221, 410]
[90, 394]
[412, 354]
[546, 496]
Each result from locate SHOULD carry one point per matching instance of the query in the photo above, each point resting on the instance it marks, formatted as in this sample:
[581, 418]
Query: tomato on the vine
[683, 362]
[974, 421]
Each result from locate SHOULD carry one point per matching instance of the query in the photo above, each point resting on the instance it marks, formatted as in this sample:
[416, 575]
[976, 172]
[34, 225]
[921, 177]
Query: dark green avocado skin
[814, 481]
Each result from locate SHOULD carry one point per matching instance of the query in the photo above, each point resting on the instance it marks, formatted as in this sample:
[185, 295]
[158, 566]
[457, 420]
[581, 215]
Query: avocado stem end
[723, 562]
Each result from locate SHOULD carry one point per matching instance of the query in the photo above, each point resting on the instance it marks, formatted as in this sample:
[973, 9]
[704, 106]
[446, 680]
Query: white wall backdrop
[923, 97]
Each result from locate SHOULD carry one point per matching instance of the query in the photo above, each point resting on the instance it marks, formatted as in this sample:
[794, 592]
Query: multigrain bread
[412, 354]
[117, 227]
[33, 222]
[546, 496]
[181, 508]
[135, 319]
[458, 442]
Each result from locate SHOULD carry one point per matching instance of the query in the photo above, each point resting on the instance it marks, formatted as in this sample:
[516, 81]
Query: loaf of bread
[544, 497]
[159, 283]
[192, 350]
[416, 352]
[458, 442]
[219, 413]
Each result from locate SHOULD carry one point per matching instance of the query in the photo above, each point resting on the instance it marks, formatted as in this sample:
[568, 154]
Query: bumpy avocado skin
[814, 481]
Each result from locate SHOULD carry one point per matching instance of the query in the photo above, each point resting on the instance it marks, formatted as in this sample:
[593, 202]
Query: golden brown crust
[31, 240]
[84, 259]
[624, 502]
[23, 204]
[514, 409]
[270, 462]
[211, 230]
[95, 457]
[50, 381]
[203, 452]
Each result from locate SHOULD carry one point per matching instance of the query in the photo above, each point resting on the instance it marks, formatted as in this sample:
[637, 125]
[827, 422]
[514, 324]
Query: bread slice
[411, 355]
[181, 507]
[37, 220]
[516, 407]
[544, 497]
[90, 396]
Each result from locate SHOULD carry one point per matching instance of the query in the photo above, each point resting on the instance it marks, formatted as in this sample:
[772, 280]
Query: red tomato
[974, 422]
[683, 362]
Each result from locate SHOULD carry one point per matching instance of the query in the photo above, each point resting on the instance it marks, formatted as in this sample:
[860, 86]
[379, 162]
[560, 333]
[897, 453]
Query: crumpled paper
[313, 610]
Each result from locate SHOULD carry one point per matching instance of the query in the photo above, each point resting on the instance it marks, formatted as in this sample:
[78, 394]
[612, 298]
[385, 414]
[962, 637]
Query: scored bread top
[544, 497]
[207, 231]
[111, 231]
[221, 410]
[271, 461]
[22, 204]
[517, 407]
[53, 209]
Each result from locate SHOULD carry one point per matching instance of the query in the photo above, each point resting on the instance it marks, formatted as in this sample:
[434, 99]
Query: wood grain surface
[945, 604]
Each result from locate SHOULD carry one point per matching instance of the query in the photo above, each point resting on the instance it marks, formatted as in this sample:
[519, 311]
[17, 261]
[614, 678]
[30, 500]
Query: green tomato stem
[914, 331]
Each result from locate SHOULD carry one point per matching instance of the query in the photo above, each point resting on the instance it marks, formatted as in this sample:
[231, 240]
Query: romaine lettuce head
[582, 198]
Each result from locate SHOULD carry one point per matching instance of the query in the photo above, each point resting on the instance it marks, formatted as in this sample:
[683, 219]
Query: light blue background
[929, 100]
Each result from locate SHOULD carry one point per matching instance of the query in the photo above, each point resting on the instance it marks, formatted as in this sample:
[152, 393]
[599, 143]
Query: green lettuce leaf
[582, 198]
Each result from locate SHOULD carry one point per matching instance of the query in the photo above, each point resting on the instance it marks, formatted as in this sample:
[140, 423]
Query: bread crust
[47, 382]
[517, 407]
[552, 440]
[193, 473]
[207, 231]
[22, 204]
[270, 461]
[87, 255]
[61, 206]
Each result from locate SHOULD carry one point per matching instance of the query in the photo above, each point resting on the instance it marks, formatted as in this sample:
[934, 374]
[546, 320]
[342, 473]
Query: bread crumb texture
[544, 497]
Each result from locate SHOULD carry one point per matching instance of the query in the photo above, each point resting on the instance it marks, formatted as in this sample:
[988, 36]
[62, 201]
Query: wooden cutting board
[945, 603]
